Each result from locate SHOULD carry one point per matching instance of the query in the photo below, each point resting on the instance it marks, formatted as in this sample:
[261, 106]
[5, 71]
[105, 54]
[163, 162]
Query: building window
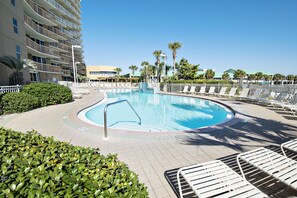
[18, 52]
[12, 2]
[15, 26]
[34, 77]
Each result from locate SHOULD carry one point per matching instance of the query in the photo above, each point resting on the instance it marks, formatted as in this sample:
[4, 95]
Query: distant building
[100, 72]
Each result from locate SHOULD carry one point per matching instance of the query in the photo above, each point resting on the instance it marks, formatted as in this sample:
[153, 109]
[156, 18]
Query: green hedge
[18, 102]
[49, 93]
[36, 166]
[1, 106]
[201, 81]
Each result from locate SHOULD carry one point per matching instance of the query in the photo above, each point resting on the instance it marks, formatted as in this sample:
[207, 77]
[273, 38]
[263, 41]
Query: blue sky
[254, 35]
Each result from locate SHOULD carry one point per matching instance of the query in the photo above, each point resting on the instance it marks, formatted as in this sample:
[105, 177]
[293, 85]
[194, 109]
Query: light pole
[73, 64]
[76, 79]
[165, 62]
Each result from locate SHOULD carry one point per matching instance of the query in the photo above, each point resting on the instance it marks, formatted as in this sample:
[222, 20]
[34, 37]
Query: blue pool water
[158, 112]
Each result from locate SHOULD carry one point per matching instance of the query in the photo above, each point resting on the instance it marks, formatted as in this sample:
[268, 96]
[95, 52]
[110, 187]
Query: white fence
[175, 88]
[14, 88]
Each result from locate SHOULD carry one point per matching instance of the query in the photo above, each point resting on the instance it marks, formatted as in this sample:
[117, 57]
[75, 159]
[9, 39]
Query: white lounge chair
[202, 90]
[290, 145]
[211, 91]
[280, 98]
[185, 90]
[222, 91]
[243, 94]
[216, 179]
[192, 90]
[290, 106]
[231, 92]
[278, 166]
[255, 95]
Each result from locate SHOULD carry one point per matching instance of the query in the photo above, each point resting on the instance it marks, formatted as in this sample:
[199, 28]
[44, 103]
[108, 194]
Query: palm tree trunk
[173, 66]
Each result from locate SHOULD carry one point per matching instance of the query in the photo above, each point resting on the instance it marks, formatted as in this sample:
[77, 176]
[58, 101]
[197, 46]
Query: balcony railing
[42, 48]
[69, 5]
[62, 9]
[66, 72]
[60, 46]
[61, 60]
[48, 68]
[66, 23]
[41, 11]
[38, 28]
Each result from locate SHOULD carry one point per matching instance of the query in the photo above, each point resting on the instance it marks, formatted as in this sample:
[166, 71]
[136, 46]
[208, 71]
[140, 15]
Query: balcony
[66, 72]
[58, 9]
[70, 7]
[40, 50]
[45, 68]
[37, 31]
[59, 47]
[38, 13]
[62, 60]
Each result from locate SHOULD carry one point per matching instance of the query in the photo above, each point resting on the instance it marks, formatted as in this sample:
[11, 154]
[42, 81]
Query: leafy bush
[200, 81]
[1, 107]
[36, 166]
[18, 102]
[49, 93]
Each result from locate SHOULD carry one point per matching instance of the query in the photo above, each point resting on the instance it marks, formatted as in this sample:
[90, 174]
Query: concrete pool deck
[151, 155]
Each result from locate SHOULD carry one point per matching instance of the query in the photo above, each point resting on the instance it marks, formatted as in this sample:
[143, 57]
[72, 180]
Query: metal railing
[41, 48]
[14, 88]
[40, 10]
[38, 28]
[105, 115]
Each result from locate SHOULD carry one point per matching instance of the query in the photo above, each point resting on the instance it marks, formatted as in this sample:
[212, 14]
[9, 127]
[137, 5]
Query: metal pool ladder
[105, 115]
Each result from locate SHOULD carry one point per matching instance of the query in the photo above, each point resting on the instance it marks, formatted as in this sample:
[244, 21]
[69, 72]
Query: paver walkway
[151, 154]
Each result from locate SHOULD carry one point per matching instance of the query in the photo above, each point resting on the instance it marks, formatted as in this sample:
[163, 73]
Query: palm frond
[12, 63]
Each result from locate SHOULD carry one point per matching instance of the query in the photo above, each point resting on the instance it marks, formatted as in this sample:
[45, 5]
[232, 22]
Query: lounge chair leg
[237, 158]
[179, 184]
[283, 150]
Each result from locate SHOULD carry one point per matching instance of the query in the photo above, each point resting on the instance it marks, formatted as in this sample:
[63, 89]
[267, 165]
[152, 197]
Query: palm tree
[290, 78]
[17, 66]
[259, 76]
[267, 78]
[174, 47]
[239, 74]
[118, 71]
[252, 77]
[145, 64]
[157, 54]
[133, 68]
[225, 76]
[278, 77]
[209, 74]
[167, 69]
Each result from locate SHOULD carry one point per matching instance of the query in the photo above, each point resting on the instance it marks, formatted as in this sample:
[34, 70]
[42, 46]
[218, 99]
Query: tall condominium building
[45, 32]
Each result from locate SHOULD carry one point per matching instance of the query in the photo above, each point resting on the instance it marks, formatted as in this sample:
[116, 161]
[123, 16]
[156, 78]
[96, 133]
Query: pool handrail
[105, 115]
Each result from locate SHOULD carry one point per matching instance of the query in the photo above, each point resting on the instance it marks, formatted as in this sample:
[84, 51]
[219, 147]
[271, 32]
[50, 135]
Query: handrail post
[105, 115]
[105, 123]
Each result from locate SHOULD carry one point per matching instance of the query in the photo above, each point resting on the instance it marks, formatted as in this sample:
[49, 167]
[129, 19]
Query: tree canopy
[133, 68]
[17, 66]
[187, 71]
[225, 76]
[209, 74]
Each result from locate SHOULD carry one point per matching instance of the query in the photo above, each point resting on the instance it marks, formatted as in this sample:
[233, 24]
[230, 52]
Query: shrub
[1, 107]
[200, 81]
[18, 102]
[36, 166]
[49, 93]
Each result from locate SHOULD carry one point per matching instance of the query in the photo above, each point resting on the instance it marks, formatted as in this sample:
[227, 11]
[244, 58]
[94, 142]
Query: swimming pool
[158, 112]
